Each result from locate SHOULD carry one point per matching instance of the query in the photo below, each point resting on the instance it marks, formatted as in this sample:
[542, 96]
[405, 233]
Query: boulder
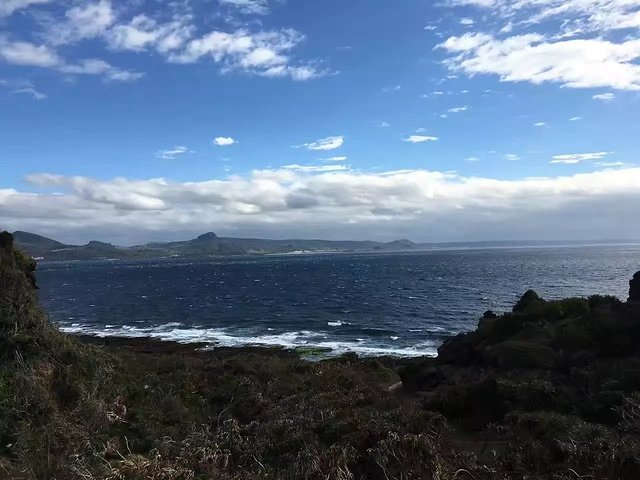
[515, 354]
[529, 300]
[459, 350]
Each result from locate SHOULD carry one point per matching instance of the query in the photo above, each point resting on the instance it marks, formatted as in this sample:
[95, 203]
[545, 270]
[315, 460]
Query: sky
[458, 120]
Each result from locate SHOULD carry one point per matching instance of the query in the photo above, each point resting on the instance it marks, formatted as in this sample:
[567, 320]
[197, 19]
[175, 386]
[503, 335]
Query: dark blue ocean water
[402, 303]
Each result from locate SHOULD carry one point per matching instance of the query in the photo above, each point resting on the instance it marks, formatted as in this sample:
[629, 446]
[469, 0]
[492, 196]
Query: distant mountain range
[205, 245]
[210, 245]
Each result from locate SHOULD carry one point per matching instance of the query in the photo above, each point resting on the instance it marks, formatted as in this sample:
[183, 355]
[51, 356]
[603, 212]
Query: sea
[398, 304]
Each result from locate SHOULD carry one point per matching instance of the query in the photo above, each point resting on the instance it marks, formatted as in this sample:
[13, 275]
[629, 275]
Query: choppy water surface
[398, 304]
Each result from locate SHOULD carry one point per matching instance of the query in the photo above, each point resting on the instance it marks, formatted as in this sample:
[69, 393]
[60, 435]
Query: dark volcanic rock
[529, 299]
[634, 288]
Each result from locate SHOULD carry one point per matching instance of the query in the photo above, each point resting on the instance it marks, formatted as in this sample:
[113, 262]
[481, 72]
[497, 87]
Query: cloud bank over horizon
[420, 204]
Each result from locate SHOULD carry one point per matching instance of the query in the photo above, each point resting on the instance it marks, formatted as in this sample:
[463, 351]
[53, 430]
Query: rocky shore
[550, 390]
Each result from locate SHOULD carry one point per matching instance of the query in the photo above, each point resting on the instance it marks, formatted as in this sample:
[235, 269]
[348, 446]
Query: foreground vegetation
[551, 390]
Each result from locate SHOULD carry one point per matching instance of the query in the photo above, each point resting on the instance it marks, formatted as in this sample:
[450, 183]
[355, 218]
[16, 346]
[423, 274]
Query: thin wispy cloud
[573, 158]
[256, 7]
[315, 168]
[511, 157]
[420, 138]
[464, 108]
[32, 92]
[325, 144]
[604, 97]
[173, 153]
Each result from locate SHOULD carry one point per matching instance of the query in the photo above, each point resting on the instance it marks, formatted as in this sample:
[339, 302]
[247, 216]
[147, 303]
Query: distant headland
[212, 245]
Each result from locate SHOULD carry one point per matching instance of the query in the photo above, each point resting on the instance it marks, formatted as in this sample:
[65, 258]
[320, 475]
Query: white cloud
[172, 153]
[7, 7]
[82, 21]
[576, 15]
[257, 7]
[325, 144]
[467, 22]
[315, 168]
[94, 66]
[512, 157]
[337, 159]
[36, 95]
[263, 53]
[420, 138]
[473, 159]
[540, 124]
[394, 88]
[28, 54]
[334, 204]
[613, 164]
[573, 158]
[384, 124]
[574, 63]
[224, 141]
[143, 33]
[575, 119]
[604, 97]
[267, 53]
[458, 109]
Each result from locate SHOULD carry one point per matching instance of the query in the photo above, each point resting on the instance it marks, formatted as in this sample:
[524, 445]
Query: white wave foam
[220, 337]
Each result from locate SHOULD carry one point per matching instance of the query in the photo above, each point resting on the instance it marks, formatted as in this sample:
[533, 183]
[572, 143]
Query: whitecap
[220, 337]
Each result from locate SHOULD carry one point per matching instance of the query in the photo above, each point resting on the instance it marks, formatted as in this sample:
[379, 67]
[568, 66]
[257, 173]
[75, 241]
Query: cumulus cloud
[224, 141]
[573, 158]
[264, 53]
[177, 38]
[81, 22]
[333, 204]
[420, 138]
[325, 144]
[142, 33]
[575, 63]
[28, 54]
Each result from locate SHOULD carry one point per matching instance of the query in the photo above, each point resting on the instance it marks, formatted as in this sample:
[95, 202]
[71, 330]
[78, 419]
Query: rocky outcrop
[634, 288]
[544, 354]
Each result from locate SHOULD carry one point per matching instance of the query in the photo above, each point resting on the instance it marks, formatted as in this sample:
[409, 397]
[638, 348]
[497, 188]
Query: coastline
[550, 389]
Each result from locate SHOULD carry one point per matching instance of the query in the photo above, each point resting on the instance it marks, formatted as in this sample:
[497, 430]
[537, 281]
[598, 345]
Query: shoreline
[156, 346]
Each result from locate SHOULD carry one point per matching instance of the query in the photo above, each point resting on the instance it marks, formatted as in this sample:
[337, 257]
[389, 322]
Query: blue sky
[343, 119]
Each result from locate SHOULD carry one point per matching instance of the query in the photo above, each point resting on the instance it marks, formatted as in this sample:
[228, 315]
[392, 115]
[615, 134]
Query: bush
[597, 301]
